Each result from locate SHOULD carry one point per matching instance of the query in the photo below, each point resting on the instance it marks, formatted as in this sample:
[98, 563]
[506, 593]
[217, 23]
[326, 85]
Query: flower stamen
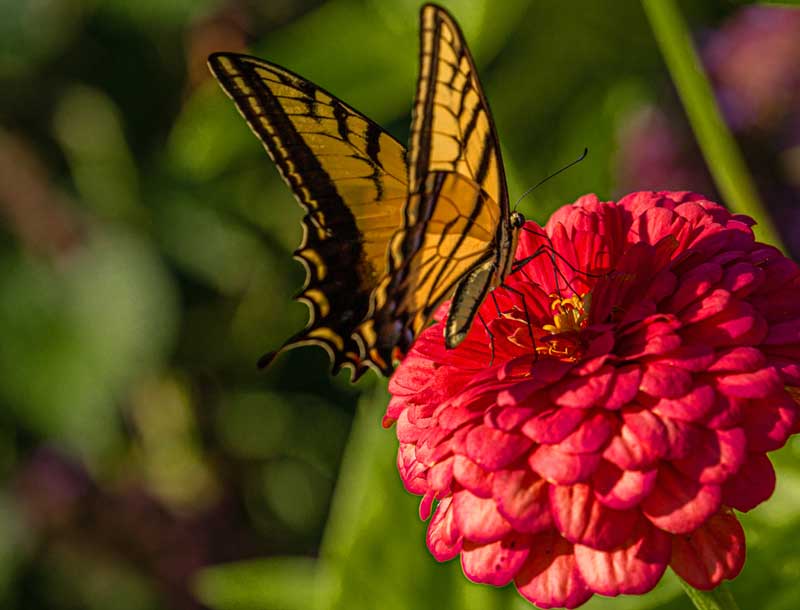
[569, 314]
[570, 317]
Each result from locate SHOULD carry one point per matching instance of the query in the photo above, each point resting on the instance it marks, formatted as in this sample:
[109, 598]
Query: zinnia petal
[581, 519]
[622, 489]
[678, 504]
[711, 553]
[443, 538]
[522, 498]
[751, 485]
[561, 467]
[632, 568]
[550, 578]
[495, 563]
[478, 518]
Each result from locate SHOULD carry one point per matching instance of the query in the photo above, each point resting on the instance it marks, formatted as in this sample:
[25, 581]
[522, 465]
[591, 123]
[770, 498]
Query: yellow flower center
[570, 316]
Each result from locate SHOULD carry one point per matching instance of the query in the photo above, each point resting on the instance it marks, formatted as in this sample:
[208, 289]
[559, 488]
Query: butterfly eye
[517, 220]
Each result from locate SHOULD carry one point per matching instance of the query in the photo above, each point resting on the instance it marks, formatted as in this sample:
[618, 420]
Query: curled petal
[581, 519]
[682, 437]
[443, 538]
[415, 374]
[426, 504]
[432, 446]
[742, 279]
[412, 472]
[560, 467]
[591, 434]
[493, 449]
[759, 384]
[690, 357]
[408, 431]
[622, 489]
[655, 335]
[695, 284]
[726, 413]
[440, 476]
[550, 577]
[623, 387]
[751, 485]
[693, 406]
[472, 476]
[633, 568]
[706, 307]
[663, 381]
[768, 423]
[717, 455]
[395, 408]
[495, 563]
[737, 324]
[508, 418]
[787, 367]
[478, 519]
[678, 504]
[553, 425]
[452, 417]
[738, 359]
[523, 499]
[544, 373]
[582, 392]
[712, 553]
[641, 441]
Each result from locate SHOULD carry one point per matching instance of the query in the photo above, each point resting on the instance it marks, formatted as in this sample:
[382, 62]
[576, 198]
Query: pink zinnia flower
[628, 408]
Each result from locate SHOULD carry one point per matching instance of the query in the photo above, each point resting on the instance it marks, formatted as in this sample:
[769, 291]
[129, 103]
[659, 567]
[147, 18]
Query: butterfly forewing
[456, 217]
[349, 176]
[452, 129]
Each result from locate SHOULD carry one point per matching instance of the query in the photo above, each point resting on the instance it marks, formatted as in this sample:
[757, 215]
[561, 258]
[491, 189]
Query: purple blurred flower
[754, 63]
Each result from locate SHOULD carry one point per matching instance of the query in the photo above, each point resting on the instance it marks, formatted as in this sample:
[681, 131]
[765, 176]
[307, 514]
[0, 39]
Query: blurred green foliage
[145, 265]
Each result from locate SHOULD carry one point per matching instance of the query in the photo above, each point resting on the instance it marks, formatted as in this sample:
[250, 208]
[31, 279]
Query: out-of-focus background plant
[145, 265]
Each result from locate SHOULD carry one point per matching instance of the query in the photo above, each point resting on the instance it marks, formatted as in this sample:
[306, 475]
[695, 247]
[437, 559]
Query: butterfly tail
[341, 354]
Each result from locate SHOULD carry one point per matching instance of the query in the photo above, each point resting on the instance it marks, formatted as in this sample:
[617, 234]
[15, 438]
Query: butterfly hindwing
[455, 235]
[349, 176]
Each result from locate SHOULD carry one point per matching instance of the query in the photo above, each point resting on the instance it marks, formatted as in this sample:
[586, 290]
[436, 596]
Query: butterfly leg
[555, 254]
[521, 295]
[496, 305]
[558, 275]
[521, 263]
[491, 337]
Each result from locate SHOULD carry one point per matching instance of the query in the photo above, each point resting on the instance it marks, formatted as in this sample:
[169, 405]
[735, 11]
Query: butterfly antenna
[553, 175]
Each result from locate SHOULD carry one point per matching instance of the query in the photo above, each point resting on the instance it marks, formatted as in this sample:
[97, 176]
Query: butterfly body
[474, 288]
[389, 234]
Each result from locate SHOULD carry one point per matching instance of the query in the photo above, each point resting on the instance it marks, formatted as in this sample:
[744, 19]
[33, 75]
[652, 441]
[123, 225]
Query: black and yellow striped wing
[349, 176]
[456, 236]
[452, 129]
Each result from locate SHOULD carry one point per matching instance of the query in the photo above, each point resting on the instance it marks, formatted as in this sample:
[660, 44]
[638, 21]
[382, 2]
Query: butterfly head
[517, 220]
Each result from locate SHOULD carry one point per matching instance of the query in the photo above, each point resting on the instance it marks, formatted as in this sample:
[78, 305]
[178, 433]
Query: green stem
[719, 148]
[717, 599]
